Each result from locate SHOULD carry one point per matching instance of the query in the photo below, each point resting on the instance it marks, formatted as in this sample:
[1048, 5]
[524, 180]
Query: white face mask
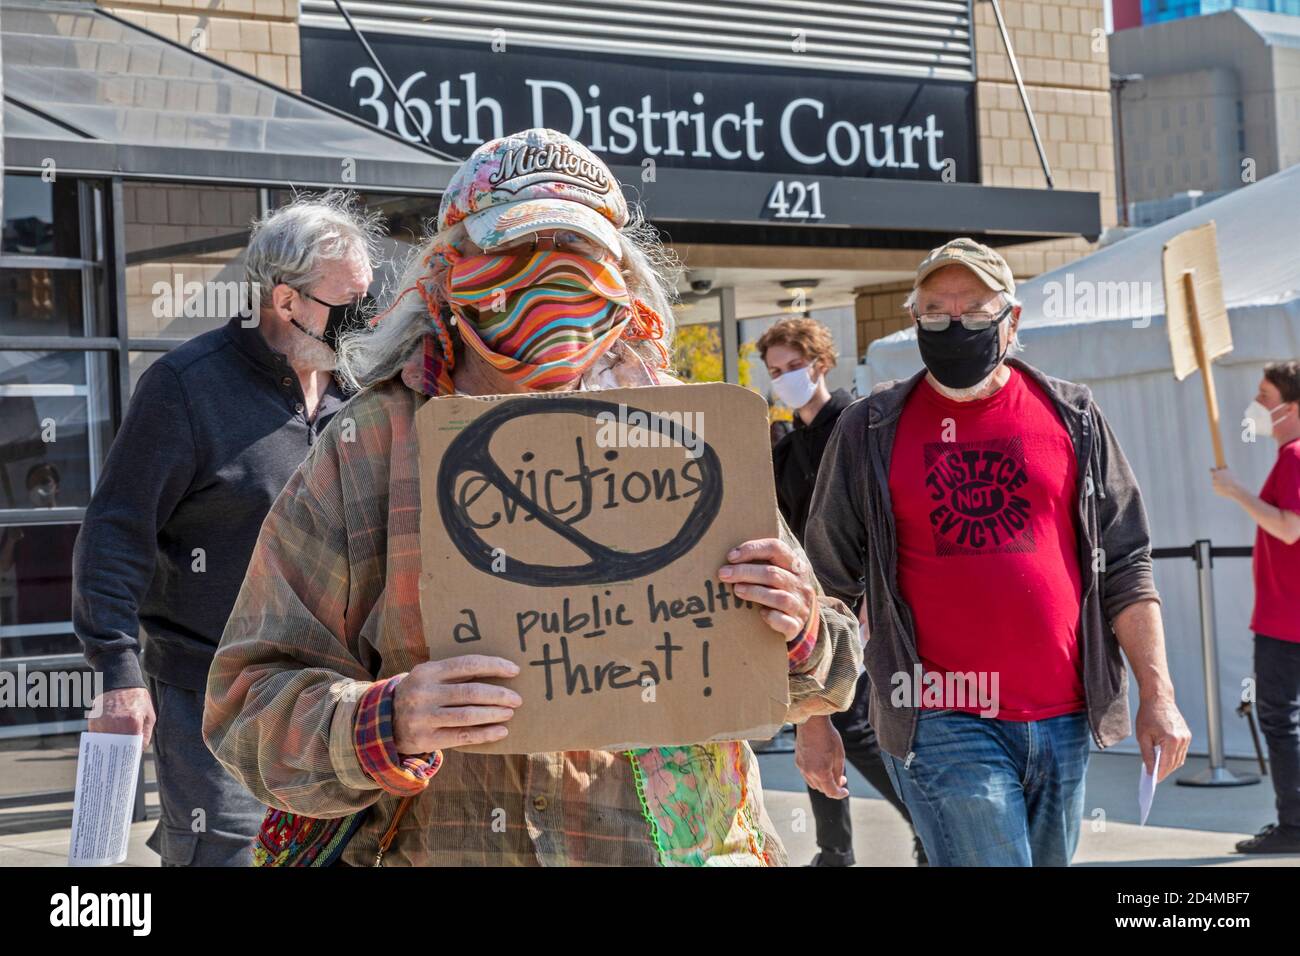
[796, 388]
[1262, 418]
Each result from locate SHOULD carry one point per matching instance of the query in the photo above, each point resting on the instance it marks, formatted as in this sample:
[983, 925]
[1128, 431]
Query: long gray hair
[374, 355]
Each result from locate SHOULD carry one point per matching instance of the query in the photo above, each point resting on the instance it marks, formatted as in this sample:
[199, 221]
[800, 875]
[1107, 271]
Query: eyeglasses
[970, 321]
[332, 305]
[562, 240]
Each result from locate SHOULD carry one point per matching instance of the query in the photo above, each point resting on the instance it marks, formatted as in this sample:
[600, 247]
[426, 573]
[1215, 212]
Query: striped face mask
[542, 319]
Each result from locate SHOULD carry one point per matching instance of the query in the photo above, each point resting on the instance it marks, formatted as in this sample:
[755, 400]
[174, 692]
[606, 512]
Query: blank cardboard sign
[1195, 249]
[579, 534]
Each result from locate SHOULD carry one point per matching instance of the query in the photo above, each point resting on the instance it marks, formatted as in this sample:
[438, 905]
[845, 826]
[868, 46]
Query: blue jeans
[986, 792]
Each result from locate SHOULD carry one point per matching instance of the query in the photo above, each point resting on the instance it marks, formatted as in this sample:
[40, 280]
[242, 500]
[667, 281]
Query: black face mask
[958, 357]
[348, 317]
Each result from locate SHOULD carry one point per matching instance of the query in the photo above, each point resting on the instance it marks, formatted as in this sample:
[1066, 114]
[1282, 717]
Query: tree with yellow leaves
[697, 354]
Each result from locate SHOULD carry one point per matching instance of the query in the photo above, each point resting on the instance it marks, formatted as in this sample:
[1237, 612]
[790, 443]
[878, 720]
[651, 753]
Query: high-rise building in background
[1136, 13]
[1203, 105]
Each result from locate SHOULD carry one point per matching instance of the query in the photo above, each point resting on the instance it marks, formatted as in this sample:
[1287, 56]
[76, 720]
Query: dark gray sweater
[214, 431]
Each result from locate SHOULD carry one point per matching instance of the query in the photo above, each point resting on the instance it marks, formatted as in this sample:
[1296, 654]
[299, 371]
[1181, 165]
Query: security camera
[701, 284]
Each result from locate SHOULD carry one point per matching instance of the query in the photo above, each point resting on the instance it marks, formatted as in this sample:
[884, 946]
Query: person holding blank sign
[323, 698]
[1275, 413]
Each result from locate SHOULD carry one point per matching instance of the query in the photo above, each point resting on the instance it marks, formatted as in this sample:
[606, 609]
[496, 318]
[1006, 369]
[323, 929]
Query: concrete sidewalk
[1189, 826]
[36, 781]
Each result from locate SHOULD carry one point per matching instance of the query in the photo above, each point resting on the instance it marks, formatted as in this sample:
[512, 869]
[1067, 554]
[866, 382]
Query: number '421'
[796, 200]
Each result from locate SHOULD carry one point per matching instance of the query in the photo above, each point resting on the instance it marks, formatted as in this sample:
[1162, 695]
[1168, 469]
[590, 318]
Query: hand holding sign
[1228, 485]
[441, 704]
[783, 586]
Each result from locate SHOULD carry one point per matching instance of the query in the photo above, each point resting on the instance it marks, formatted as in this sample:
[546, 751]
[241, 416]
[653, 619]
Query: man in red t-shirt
[986, 514]
[1276, 622]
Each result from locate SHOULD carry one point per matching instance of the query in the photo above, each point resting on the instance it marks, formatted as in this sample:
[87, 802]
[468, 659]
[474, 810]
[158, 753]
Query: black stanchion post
[1216, 774]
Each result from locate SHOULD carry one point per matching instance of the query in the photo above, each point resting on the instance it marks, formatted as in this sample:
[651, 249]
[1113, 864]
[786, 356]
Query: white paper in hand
[108, 766]
[1147, 789]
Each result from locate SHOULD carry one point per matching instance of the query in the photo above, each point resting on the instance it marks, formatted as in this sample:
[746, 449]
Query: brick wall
[1064, 61]
[878, 310]
[256, 36]
[161, 221]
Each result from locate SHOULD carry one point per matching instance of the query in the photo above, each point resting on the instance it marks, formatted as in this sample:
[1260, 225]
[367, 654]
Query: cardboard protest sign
[1195, 250]
[1196, 315]
[579, 534]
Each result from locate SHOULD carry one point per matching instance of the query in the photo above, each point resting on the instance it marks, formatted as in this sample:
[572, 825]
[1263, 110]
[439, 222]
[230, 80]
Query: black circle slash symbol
[468, 452]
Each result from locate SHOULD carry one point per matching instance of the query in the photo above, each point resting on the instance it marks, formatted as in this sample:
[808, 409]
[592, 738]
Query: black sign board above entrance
[677, 113]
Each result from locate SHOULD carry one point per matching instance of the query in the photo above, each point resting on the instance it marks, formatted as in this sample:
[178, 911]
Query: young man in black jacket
[798, 353]
[215, 429]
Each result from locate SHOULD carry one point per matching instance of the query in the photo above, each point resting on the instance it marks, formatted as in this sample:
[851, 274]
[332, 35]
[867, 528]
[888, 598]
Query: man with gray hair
[214, 431]
[985, 515]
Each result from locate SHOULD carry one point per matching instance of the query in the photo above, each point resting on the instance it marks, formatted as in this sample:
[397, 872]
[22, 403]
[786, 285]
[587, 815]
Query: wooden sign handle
[1207, 369]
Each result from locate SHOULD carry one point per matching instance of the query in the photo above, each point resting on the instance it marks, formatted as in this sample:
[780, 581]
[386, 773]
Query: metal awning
[98, 95]
[722, 206]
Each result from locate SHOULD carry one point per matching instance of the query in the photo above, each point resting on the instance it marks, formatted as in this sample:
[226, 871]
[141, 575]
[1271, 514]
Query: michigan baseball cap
[986, 263]
[533, 180]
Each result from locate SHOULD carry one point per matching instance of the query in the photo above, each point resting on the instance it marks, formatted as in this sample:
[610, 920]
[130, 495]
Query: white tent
[1100, 321]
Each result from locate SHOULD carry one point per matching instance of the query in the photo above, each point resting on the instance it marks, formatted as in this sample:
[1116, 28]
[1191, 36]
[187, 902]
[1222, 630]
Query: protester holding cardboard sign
[326, 698]
[1275, 413]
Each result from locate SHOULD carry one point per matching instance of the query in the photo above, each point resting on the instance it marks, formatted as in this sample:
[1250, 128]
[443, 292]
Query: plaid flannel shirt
[299, 697]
